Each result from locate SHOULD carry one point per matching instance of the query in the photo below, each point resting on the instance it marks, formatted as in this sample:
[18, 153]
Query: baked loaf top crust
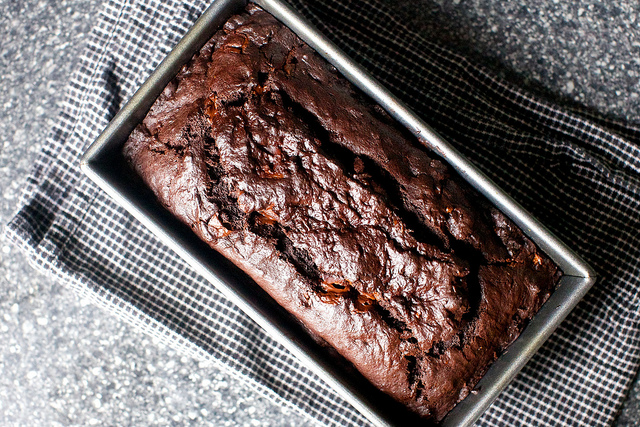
[277, 162]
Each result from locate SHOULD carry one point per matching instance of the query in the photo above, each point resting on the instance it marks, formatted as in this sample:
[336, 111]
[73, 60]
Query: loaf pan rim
[578, 275]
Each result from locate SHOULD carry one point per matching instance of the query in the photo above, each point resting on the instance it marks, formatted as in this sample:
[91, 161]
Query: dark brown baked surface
[278, 163]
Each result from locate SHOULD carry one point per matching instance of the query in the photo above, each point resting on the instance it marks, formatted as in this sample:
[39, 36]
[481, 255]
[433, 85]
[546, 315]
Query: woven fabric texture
[577, 173]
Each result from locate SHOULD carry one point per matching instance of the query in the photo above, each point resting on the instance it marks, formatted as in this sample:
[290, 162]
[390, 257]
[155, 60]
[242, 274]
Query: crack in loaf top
[277, 162]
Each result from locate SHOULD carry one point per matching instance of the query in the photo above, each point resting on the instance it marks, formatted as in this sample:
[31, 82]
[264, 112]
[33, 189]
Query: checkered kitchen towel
[578, 174]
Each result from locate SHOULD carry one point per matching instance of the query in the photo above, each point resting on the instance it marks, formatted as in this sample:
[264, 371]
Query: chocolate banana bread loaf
[376, 246]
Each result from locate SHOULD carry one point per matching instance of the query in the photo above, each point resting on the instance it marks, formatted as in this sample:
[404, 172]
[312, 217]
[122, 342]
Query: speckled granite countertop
[65, 362]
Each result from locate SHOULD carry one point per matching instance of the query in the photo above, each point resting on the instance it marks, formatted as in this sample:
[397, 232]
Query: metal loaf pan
[105, 165]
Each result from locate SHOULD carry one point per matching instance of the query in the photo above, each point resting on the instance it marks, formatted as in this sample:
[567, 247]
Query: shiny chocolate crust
[278, 163]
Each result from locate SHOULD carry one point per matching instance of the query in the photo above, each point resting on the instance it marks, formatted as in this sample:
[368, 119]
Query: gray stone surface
[65, 362]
